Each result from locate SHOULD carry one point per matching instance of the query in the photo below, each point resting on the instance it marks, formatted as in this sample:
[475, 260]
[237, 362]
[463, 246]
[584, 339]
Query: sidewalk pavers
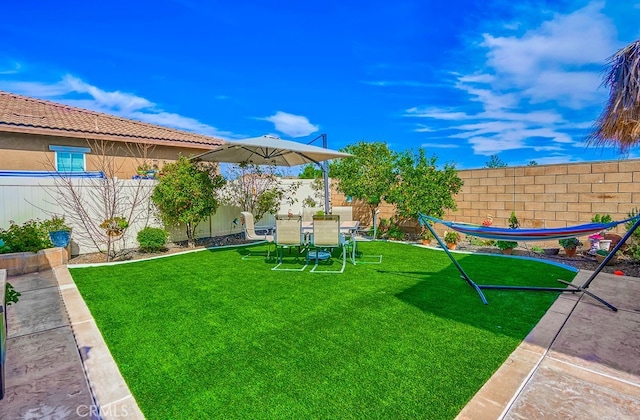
[44, 376]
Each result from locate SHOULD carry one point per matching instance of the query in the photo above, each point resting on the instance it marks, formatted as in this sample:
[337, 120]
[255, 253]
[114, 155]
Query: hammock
[507, 234]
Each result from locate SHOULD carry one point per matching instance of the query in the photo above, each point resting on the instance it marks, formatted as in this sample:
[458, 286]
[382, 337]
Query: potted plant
[570, 245]
[114, 226]
[506, 246]
[602, 218]
[426, 236]
[59, 231]
[451, 239]
[513, 221]
[601, 254]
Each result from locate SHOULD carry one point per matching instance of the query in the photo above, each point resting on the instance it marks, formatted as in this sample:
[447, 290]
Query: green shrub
[602, 218]
[452, 237]
[513, 221]
[152, 239]
[55, 224]
[569, 243]
[32, 236]
[506, 244]
[11, 296]
[633, 243]
[634, 252]
[395, 232]
[476, 241]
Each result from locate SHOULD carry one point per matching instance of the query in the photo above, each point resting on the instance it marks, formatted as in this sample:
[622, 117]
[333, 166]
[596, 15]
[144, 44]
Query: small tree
[88, 203]
[495, 162]
[368, 175]
[187, 193]
[256, 189]
[310, 171]
[423, 188]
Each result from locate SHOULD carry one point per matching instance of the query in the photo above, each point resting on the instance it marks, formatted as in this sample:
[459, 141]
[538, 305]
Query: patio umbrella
[619, 123]
[270, 150]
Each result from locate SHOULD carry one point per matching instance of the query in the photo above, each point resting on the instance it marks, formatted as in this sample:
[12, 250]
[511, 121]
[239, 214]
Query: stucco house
[39, 137]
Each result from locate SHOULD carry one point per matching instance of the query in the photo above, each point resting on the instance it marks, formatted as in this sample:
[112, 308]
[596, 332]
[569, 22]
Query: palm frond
[619, 123]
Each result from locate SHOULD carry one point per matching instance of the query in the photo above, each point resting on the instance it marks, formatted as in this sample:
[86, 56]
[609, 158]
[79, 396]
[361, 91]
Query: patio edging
[494, 399]
[108, 388]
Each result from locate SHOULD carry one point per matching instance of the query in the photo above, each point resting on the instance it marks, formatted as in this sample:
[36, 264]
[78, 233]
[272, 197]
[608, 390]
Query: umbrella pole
[325, 174]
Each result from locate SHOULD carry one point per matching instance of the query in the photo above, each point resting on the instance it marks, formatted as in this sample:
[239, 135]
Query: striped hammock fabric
[508, 234]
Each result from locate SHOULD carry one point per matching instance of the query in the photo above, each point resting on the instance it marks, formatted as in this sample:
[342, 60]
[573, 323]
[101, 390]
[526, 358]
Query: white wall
[25, 198]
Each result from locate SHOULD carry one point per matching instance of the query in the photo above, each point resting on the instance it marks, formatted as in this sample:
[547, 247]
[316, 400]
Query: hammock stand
[531, 235]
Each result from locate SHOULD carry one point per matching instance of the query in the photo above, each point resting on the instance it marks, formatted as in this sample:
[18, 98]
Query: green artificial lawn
[208, 335]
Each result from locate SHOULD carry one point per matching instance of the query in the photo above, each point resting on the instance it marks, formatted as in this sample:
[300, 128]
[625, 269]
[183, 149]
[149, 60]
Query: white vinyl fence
[26, 198]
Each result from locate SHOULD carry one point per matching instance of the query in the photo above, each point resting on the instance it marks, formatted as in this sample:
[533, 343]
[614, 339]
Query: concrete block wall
[543, 196]
[17, 263]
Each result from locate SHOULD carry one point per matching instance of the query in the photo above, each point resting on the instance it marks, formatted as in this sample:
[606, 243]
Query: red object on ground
[618, 273]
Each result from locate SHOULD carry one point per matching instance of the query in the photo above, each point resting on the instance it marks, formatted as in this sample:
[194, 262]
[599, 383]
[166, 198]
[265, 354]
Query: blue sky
[463, 79]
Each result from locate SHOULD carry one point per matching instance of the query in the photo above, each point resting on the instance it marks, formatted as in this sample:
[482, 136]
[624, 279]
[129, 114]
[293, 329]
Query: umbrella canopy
[269, 150]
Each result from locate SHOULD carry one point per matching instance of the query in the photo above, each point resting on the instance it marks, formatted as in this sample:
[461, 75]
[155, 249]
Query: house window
[70, 159]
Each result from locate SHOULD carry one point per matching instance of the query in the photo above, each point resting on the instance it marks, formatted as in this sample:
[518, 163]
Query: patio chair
[251, 233]
[288, 235]
[326, 236]
[309, 212]
[345, 212]
[360, 258]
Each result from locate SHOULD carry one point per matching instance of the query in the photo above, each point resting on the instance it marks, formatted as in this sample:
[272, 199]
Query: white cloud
[35, 89]
[440, 145]
[521, 95]
[168, 119]
[123, 104]
[292, 125]
[14, 68]
[408, 83]
[424, 129]
[559, 61]
[435, 113]
[548, 160]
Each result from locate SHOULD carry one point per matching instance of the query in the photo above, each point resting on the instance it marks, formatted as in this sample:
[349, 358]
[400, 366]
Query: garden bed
[171, 248]
[580, 261]
[17, 263]
[583, 262]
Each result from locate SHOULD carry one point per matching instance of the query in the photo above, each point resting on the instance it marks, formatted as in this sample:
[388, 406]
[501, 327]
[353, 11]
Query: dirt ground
[581, 261]
[171, 248]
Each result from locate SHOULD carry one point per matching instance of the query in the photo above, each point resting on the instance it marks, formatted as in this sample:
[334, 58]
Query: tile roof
[23, 114]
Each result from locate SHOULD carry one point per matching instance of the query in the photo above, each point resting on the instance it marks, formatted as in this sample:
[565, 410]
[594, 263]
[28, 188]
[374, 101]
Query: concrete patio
[581, 361]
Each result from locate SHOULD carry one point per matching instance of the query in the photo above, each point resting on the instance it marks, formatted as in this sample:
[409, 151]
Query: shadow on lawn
[259, 251]
[446, 294]
[439, 289]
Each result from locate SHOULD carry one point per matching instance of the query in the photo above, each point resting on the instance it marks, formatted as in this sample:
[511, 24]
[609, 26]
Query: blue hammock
[507, 234]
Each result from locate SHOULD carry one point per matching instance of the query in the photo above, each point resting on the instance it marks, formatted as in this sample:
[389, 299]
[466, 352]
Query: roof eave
[107, 137]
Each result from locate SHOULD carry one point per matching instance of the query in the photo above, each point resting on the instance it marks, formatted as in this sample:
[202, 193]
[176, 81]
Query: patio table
[348, 228]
